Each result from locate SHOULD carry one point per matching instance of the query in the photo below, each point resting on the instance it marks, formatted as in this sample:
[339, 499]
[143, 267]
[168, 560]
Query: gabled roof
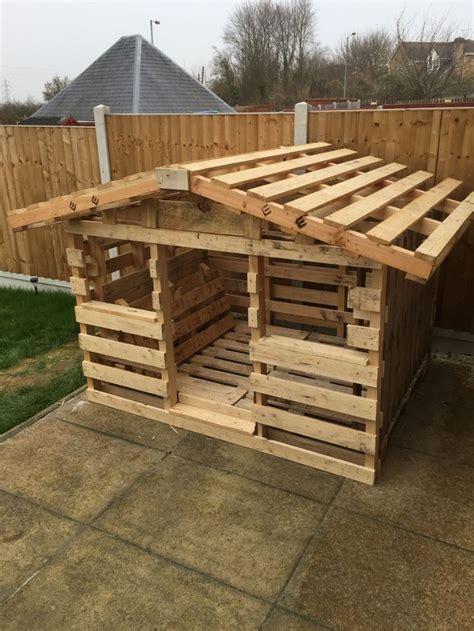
[132, 76]
[329, 195]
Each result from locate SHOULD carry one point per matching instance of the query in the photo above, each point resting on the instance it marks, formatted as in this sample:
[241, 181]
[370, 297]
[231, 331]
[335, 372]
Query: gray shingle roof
[132, 76]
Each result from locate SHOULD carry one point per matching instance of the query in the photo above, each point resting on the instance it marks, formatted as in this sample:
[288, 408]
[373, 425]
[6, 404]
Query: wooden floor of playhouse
[220, 371]
[217, 377]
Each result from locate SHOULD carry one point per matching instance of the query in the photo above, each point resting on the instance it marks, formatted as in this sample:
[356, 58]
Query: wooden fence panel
[143, 142]
[37, 163]
[405, 136]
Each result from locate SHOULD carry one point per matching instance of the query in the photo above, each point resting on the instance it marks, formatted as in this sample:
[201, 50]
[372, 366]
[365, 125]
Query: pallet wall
[407, 342]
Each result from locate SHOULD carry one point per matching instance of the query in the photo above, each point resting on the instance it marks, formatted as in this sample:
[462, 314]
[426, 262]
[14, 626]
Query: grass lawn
[39, 358]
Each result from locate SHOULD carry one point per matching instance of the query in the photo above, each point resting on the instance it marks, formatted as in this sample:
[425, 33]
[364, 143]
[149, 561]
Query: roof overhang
[331, 195]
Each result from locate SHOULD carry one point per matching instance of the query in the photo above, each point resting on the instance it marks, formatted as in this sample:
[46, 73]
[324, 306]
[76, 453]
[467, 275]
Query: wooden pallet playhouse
[280, 300]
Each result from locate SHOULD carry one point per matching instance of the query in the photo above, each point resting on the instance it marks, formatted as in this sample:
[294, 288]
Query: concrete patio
[110, 521]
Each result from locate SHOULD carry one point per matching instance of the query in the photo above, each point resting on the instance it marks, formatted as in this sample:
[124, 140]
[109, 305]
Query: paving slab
[70, 469]
[102, 583]
[281, 620]
[283, 474]
[438, 419]
[240, 531]
[362, 575]
[29, 536]
[121, 424]
[422, 493]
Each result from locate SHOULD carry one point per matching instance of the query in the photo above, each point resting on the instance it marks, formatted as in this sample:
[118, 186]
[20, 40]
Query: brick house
[456, 56]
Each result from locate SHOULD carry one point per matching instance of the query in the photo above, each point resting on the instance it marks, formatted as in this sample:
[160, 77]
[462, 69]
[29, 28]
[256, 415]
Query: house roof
[298, 188]
[132, 76]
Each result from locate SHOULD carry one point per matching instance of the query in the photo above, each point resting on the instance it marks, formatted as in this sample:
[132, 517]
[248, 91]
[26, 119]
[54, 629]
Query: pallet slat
[268, 351]
[125, 378]
[313, 201]
[121, 350]
[275, 190]
[363, 337]
[437, 246]
[315, 428]
[240, 178]
[390, 229]
[83, 202]
[362, 208]
[327, 351]
[202, 339]
[316, 396]
[196, 168]
[127, 324]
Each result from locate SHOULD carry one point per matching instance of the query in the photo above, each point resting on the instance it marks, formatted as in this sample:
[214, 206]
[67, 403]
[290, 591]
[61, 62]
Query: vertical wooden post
[341, 304]
[257, 318]
[257, 287]
[100, 112]
[161, 301]
[377, 279]
[79, 283]
[97, 255]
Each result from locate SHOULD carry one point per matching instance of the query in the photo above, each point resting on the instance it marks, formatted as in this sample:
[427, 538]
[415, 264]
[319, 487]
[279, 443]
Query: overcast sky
[40, 39]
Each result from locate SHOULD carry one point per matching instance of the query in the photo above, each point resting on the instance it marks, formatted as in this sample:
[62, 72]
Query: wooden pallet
[109, 196]
[222, 373]
[353, 203]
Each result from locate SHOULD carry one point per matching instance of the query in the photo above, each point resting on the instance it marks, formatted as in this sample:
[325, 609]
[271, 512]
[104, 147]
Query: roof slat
[240, 178]
[362, 208]
[313, 201]
[275, 190]
[438, 245]
[83, 202]
[227, 162]
[387, 231]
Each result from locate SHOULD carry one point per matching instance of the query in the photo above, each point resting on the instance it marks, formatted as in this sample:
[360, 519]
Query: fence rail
[37, 163]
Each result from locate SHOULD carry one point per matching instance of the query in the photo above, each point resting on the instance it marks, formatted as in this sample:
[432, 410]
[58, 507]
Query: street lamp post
[151, 28]
[345, 64]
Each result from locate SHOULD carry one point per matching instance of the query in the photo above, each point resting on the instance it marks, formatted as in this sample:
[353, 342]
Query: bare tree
[225, 81]
[13, 111]
[294, 43]
[366, 56]
[327, 72]
[200, 73]
[249, 38]
[268, 52]
[425, 63]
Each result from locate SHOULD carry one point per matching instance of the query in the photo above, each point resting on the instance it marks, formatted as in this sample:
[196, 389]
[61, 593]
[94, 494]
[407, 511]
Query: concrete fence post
[301, 123]
[100, 112]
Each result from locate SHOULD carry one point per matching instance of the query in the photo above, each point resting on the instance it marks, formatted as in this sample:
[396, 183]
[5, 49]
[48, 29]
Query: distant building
[131, 77]
[457, 55]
